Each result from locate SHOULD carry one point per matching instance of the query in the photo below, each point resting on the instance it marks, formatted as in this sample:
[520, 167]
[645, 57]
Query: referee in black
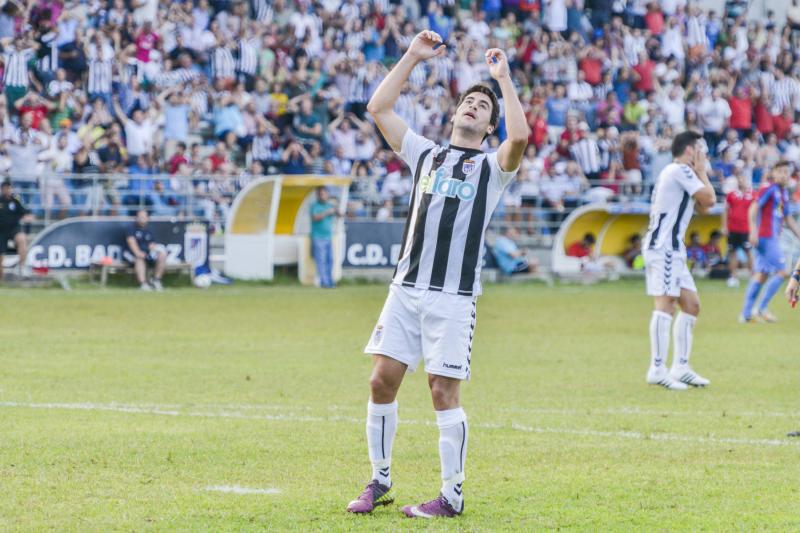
[12, 212]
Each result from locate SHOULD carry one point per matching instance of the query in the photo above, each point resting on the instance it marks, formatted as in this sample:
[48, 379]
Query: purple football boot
[374, 495]
[438, 507]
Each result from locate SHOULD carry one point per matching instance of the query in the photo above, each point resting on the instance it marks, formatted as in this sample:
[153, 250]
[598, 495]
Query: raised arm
[511, 150]
[381, 105]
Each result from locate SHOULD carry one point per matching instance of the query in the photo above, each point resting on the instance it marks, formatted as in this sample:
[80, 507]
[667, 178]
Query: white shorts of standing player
[431, 326]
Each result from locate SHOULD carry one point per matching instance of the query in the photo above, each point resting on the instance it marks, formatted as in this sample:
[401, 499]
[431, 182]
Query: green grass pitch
[118, 410]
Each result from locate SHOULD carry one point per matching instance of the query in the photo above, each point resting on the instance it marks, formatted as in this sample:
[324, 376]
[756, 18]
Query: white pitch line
[635, 435]
[236, 489]
[286, 408]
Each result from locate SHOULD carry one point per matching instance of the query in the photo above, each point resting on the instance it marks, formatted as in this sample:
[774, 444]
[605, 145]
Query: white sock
[453, 434]
[381, 427]
[659, 338]
[682, 335]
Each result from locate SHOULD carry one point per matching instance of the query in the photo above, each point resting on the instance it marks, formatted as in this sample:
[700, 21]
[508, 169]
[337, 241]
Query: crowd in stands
[208, 93]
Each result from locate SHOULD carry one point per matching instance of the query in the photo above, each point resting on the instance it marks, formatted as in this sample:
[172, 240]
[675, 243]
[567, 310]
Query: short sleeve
[764, 196]
[501, 176]
[688, 180]
[412, 148]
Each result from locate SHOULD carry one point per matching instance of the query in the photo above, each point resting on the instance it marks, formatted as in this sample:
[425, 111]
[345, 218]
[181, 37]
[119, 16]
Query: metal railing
[52, 197]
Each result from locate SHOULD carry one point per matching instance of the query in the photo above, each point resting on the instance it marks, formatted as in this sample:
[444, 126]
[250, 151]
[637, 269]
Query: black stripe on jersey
[676, 245]
[446, 222]
[411, 211]
[415, 255]
[654, 236]
[472, 248]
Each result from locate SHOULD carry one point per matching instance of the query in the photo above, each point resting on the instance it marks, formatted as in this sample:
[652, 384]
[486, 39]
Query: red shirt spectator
[781, 124]
[145, 42]
[592, 70]
[654, 20]
[741, 112]
[176, 161]
[645, 71]
[38, 114]
[738, 203]
[579, 249]
[764, 122]
[538, 131]
[217, 160]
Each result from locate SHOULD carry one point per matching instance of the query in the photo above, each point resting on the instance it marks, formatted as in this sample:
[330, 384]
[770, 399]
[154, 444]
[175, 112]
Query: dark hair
[6, 183]
[779, 164]
[715, 235]
[589, 238]
[684, 140]
[483, 89]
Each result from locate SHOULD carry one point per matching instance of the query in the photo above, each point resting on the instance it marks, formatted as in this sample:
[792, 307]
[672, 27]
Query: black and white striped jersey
[587, 154]
[454, 194]
[672, 207]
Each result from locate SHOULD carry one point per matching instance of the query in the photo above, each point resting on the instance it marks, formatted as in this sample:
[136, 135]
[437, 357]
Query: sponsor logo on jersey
[449, 187]
[377, 334]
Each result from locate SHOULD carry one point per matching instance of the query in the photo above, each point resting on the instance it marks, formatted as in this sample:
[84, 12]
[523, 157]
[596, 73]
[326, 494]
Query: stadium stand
[175, 105]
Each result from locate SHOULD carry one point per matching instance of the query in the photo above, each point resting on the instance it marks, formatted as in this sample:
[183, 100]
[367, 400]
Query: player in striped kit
[767, 215]
[430, 312]
[682, 183]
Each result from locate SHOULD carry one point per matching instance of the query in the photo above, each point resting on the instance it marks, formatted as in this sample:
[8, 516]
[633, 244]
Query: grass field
[119, 410]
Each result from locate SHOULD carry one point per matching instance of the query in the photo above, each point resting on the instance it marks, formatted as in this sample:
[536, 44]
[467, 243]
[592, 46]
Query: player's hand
[421, 47]
[498, 63]
[791, 291]
[700, 162]
[753, 239]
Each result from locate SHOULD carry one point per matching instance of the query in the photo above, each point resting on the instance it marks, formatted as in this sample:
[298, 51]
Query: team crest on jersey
[468, 166]
[377, 335]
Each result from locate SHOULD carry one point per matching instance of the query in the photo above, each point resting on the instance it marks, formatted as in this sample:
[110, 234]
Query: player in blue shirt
[767, 215]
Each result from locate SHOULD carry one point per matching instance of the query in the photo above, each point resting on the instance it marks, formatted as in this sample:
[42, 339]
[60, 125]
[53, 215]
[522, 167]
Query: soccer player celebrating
[429, 314]
[767, 215]
[682, 183]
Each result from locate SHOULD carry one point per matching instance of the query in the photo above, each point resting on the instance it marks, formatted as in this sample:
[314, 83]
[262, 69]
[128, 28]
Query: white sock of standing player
[659, 338]
[381, 428]
[453, 435]
[682, 336]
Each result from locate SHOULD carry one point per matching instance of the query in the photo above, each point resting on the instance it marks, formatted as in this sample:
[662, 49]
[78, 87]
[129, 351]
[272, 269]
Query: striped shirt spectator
[101, 63]
[223, 64]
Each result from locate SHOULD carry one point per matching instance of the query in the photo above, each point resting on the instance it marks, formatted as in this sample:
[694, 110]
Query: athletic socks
[770, 288]
[453, 434]
[381, 428]
[682, 334]
[659, 338]
[750, 296]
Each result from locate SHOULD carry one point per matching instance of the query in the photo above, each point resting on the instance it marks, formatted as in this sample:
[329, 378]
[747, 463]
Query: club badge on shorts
[468, 167]
[377, 335]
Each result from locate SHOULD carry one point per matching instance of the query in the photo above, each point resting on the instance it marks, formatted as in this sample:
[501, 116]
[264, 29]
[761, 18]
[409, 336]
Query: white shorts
[433, 326]
[667, 273]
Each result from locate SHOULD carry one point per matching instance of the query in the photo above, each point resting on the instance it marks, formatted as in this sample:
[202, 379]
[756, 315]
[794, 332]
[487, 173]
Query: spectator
[323, 213]
[12, 212]
[696, 253]
[144, 251]
[583, 248]
[510, 259]
[633, 253]
[736, 226]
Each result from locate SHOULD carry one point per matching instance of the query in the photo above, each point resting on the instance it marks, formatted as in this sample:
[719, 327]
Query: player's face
[781, 176]
[475, 113]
